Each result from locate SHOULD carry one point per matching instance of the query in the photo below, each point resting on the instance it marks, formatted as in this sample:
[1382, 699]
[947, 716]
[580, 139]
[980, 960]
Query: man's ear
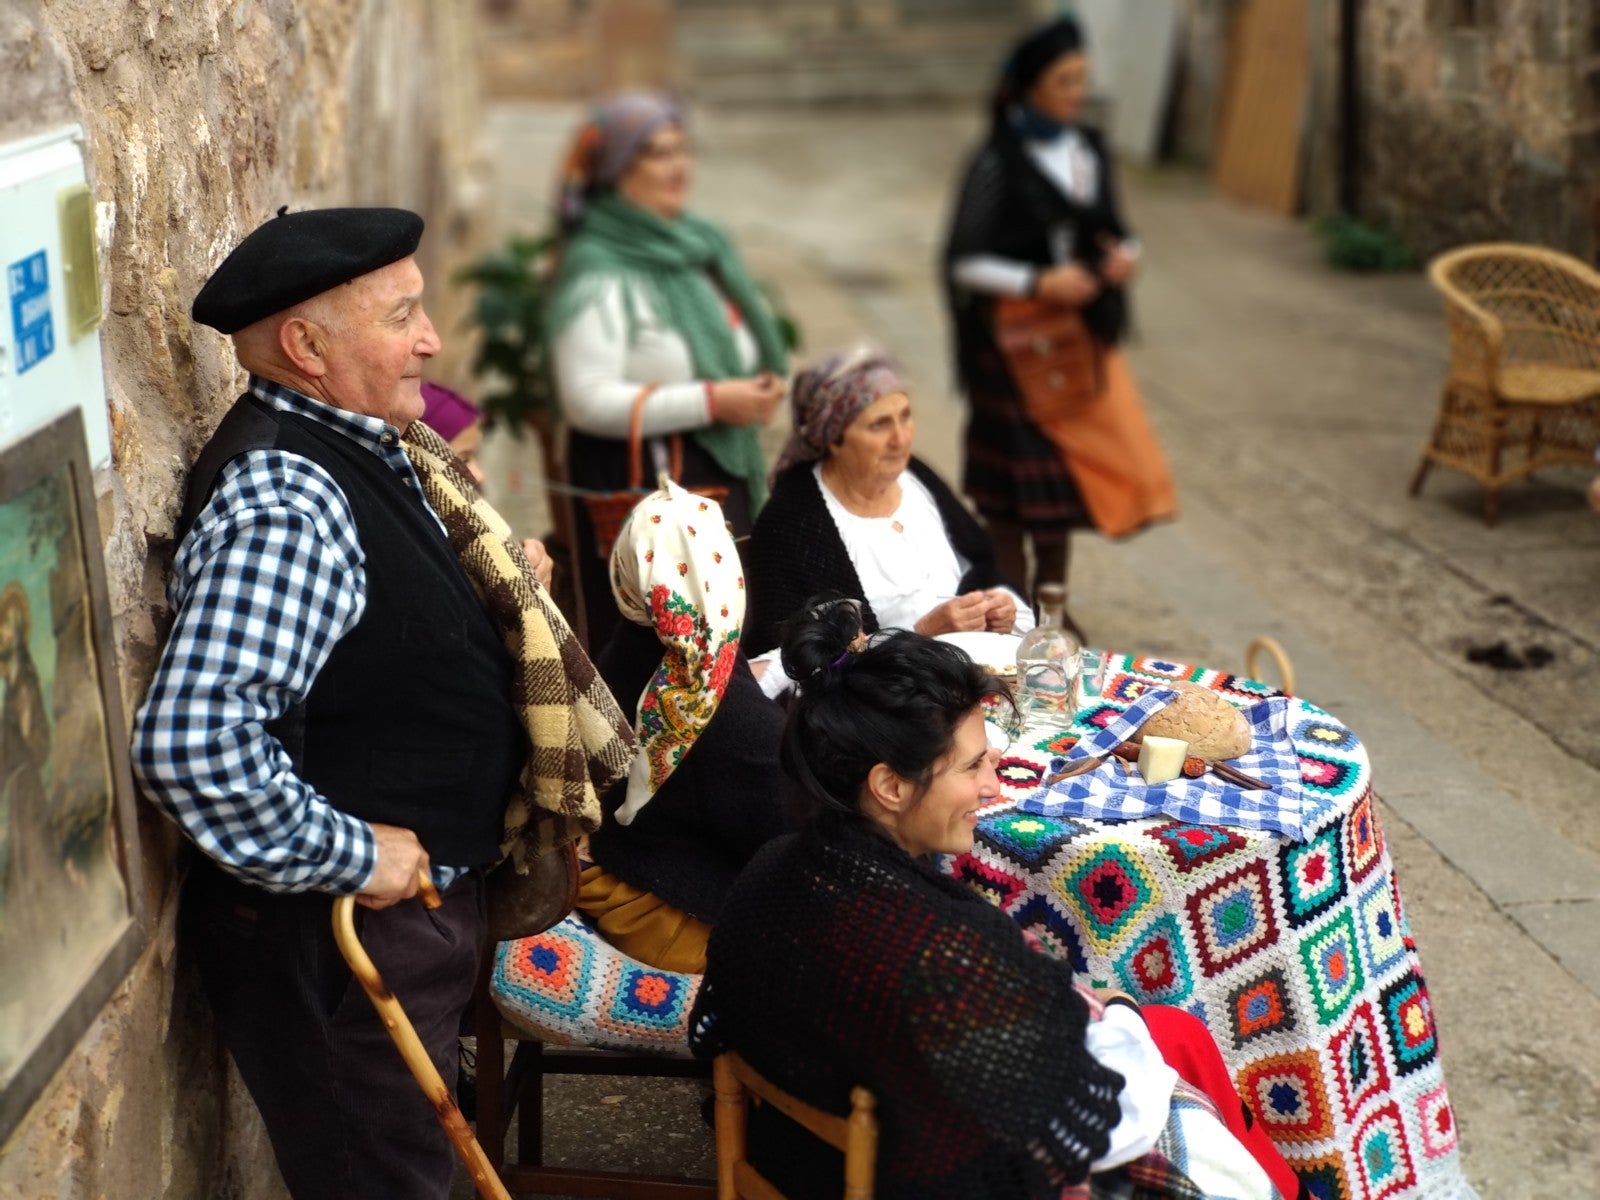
[304, 343]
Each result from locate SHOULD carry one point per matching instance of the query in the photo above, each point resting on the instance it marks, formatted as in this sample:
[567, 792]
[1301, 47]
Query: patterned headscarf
[607, 144]
[674, 567]
[824, 399]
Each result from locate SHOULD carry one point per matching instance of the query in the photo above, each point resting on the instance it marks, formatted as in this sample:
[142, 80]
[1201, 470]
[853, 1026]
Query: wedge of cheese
[1161, 758]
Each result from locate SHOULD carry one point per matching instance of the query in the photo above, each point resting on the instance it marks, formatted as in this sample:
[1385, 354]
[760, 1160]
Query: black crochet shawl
[840, 960]
[796, 551]
[1009, 208]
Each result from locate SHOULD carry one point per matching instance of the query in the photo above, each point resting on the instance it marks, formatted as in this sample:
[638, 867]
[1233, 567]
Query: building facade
[1480, 120]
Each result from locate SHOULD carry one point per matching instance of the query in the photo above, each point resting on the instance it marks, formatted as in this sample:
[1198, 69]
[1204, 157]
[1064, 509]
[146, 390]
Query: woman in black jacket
[1038, 234]
[844, 957]
[705, 790]
[852, 511]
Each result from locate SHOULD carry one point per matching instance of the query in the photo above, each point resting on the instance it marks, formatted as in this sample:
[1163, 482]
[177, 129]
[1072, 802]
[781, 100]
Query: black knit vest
[410, 720]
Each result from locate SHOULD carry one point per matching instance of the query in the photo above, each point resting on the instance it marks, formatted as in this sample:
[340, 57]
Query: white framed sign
[49, 292]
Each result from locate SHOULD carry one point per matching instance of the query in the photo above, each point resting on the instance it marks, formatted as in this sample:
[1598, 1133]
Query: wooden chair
[1523, 388]
[519, 1089]
[736, 1081]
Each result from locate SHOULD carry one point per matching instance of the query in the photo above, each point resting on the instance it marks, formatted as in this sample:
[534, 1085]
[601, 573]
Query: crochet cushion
[568, 986]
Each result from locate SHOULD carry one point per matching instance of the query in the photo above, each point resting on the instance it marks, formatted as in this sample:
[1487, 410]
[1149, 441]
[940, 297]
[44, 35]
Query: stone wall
[203, 116]
[735, 52]
[1479, 121]
[575, 49]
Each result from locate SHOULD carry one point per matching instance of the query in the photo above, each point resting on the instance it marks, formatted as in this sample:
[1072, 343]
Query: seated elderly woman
[854, 511]
[705, 789]
[652, 299]
[844, 958]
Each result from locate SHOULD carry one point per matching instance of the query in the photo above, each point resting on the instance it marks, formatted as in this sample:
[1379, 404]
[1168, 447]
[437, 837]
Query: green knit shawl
[671, 265]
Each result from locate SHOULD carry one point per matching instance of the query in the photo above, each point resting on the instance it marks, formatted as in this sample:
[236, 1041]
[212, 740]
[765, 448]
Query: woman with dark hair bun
[843, 957]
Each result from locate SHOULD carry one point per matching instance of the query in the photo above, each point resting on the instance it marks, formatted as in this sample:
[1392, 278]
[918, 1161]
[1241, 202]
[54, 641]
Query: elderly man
[337, 709]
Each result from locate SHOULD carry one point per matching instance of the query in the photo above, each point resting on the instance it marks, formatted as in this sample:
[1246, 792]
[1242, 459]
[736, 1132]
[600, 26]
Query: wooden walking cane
[410, 1046]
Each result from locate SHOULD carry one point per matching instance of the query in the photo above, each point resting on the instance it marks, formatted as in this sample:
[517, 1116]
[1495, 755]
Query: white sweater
[599, 370]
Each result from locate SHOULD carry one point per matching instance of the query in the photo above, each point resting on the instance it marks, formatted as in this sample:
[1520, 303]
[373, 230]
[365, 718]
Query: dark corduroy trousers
[346, 1119]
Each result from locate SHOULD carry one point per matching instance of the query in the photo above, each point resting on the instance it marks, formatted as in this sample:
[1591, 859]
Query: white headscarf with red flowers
[674, 568]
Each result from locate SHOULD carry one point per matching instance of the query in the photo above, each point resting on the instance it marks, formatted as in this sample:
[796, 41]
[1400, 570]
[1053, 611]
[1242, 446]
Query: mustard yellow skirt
[642, 925]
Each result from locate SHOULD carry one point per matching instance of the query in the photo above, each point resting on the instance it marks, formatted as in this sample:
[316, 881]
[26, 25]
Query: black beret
[296, 256]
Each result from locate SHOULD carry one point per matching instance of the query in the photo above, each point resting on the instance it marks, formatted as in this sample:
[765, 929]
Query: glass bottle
[1047, 664]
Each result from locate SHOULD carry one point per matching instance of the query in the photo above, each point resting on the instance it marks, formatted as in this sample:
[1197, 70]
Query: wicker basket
[1279, 657]
[608, 510]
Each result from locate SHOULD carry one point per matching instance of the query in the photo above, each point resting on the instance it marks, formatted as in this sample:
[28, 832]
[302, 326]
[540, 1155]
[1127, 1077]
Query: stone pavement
[1292, 401]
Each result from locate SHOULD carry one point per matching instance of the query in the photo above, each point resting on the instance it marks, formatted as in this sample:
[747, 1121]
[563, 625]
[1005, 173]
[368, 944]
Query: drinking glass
[1091, 676]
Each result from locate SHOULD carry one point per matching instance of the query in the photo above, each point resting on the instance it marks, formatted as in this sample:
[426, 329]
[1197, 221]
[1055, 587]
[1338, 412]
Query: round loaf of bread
[1213, 728]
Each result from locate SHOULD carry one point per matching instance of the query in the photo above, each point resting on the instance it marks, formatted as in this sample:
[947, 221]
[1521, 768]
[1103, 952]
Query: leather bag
[1053, 360]
[521, 905]
[607, 510]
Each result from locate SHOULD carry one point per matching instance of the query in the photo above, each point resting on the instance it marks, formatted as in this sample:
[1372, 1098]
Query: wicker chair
[1523, 390]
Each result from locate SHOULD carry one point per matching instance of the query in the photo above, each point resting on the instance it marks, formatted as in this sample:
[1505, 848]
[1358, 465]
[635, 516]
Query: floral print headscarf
[674, 568]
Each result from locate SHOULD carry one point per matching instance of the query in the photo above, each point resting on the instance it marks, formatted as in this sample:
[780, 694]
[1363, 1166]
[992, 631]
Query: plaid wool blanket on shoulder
[579, 740]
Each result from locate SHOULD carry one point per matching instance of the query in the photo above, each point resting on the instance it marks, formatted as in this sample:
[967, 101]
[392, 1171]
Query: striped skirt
[1013, 472]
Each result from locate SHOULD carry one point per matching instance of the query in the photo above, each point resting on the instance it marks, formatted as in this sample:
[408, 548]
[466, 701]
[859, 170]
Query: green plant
[1351, 244]
[513, 284]
[788, 327]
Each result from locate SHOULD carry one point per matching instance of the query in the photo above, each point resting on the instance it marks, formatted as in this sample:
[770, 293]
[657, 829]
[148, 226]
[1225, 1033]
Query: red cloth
[1187, 1045]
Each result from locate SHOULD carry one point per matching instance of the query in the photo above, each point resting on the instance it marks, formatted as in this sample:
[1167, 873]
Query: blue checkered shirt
[270, 577]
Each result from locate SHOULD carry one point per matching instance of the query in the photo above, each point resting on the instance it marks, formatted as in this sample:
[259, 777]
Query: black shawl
[1008, 207]
[796, 552]
[840, 960]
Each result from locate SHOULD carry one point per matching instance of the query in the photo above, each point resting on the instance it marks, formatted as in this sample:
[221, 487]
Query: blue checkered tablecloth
[1109, 793]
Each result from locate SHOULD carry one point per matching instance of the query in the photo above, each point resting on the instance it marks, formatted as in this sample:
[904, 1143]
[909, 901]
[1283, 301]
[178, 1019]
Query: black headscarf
[1030, 58]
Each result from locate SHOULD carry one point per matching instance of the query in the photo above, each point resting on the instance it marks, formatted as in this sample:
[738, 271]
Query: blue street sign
[28, 284]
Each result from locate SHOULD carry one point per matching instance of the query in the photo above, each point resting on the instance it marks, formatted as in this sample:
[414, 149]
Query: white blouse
[599, 369]
[1120, 1041]
[905, 562]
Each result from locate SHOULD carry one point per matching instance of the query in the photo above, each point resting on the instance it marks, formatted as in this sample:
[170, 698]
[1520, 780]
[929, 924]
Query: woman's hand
[1000, 614]
[1119, 265]
[746, 401]
[1070, 285]
[959, 614]
[544, 567]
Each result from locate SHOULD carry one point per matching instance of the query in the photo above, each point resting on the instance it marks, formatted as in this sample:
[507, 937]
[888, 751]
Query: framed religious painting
[71, 903]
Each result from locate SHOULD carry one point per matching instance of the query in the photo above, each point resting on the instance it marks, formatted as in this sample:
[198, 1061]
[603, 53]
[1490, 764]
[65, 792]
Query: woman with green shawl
[650, 294]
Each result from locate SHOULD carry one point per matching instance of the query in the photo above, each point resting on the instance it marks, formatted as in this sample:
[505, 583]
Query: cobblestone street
[1293, 402]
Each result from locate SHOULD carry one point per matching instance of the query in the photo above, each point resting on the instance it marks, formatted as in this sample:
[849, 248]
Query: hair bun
[819, 637]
